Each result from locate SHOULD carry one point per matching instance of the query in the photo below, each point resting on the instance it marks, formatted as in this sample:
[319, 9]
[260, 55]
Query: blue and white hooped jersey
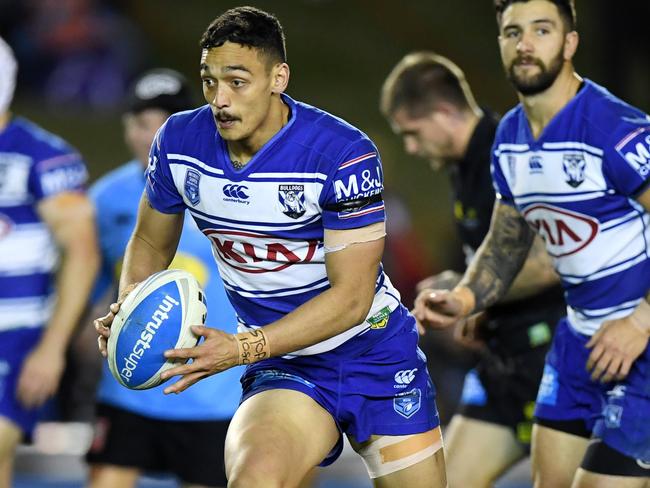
[576, 185]
[266, 221]
[34, 165]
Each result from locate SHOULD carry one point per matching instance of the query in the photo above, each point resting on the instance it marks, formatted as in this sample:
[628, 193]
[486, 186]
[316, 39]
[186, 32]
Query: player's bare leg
[556, 456]
[10, 436]
[587, 479]
[275, 438]
[426, 473]
[109, 476]
[479, 452]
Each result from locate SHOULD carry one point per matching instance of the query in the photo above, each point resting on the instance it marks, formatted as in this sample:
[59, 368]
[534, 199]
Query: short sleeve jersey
[575, 185]
[34, 165]
[266, 221]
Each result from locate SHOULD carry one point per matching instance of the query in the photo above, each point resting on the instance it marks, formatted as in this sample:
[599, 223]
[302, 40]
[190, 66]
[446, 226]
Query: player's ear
[571, 40]
[280, 78]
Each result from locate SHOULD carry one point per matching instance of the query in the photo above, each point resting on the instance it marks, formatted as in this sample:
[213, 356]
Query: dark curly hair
[247, 26]
[566, 8]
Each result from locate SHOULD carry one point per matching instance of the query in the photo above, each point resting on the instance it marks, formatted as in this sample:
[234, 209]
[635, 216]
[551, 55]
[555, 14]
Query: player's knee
[251, 478]
[546, 477]
[256, 469]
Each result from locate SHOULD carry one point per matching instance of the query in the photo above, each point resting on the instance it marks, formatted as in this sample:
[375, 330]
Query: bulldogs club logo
[574, 169]
[292, 198]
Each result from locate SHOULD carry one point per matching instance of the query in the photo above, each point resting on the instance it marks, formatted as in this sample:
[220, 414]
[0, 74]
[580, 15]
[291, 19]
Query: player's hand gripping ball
[156, 316]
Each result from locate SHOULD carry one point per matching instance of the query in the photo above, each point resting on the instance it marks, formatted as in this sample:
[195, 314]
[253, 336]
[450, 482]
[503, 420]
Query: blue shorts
[384, 389]
[15, 345]
[616, 412]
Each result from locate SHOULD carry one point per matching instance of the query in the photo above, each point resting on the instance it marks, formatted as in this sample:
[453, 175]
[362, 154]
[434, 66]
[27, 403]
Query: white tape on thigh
[389, 454]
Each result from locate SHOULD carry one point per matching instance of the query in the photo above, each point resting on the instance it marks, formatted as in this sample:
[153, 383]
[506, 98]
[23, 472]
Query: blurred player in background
[290, 197]
[48, 262]
[428, 102]
[571, 162]
[146, 430]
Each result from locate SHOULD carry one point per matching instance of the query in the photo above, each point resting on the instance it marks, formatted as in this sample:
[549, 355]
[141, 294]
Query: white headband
[8, 69]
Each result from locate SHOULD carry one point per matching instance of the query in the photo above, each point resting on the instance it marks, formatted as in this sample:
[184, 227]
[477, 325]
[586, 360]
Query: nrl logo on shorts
[574, 169]
[292, 198]
[192, 179]
[407, 403]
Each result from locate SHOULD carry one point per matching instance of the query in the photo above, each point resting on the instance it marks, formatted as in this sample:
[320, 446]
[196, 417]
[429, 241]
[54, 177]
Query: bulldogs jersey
[34, 165]
[266, 221]
[575, 185]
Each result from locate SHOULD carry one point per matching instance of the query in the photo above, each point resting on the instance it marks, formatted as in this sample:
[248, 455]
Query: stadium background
[77, 58]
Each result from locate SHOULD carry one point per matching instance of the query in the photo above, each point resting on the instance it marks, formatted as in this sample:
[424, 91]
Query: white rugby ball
[155, 316]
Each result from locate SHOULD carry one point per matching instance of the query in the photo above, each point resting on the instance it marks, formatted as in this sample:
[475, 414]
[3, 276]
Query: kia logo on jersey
[252, 252]
[564, 232]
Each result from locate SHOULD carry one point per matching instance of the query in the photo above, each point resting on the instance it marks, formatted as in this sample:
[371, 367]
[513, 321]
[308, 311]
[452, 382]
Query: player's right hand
[442, 308]
[103, 324]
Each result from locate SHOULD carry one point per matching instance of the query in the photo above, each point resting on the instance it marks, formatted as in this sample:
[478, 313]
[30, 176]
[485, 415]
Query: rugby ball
[155, 316]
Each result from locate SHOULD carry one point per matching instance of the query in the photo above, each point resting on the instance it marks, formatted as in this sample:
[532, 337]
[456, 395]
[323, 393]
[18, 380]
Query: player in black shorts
[429, 104]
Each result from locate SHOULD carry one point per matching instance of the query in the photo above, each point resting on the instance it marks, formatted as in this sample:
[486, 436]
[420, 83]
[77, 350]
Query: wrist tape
[253, 346]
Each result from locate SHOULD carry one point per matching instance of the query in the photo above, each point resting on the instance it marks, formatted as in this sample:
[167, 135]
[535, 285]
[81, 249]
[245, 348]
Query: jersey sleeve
[626, 158]
[499, 181]
[352, 194]
[57, 173]
[160, 187]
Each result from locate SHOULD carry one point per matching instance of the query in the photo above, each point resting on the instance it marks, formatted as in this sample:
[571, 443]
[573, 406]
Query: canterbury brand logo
[235, 191]
[405, 376]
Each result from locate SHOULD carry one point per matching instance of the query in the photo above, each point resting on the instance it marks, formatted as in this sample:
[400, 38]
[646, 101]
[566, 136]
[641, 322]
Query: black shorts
[503, 386]
[502, 391]
[191, 450]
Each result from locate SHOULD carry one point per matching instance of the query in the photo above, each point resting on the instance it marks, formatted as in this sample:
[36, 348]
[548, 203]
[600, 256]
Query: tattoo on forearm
[500, 257]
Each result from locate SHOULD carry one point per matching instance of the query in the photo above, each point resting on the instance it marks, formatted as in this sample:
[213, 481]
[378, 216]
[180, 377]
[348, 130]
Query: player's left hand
[615, 347]
[216, 353]
[40, 375]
